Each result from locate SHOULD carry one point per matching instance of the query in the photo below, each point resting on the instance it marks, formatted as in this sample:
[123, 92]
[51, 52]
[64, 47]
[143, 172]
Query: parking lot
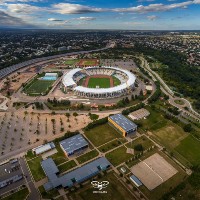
[10, 172]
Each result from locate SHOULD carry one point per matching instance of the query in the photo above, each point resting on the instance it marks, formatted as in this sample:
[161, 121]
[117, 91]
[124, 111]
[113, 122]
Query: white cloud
[67, 8]
[152, 17]
[86, 18]
[55, 20]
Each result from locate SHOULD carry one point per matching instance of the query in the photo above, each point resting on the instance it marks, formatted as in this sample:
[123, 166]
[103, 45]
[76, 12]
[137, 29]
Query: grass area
[170, 136]
[30, 155]
[179, 102]
[19, 195]
[36, 168]
[116, 81]
[67, 166]
[59, 157]
[115, 190]
[118, 156]
[189, 148]
[154, 121]
[102, 134]
[48, 195]
[88, 156]
[100, 82]
[112, 145]
[143, 140]
[71, 62]
[38, 87]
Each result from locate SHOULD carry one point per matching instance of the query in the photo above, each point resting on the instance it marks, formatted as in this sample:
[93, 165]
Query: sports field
[71, 62]
[38, 87]
[88, 62]
[99, 82]
[116, 81]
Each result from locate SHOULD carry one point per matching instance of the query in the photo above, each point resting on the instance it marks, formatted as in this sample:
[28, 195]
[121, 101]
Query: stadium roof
[73, 143]
[68, 81]
[68, 77]
[80, 174]
[123, 122]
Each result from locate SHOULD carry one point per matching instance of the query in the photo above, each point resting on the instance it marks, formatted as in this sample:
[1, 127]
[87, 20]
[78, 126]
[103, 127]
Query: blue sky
[101, 14]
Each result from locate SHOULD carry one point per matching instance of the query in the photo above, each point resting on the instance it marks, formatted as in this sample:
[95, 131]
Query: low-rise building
[43, 148]
[73, 144]
[122, 124]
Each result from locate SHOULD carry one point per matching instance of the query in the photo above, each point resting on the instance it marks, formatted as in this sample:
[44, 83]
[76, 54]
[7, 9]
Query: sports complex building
[99, 82]
[122, 124]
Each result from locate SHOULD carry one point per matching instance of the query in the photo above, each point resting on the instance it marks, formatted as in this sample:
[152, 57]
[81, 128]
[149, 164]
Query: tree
[138, 147]
[187, 128]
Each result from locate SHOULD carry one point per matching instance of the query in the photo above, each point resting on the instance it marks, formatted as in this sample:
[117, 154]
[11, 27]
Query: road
[34, 194]
[166, 90]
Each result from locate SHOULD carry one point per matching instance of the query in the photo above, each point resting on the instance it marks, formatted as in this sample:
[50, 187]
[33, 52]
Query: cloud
[23, 8]
[86, 18]
[55, 20]
[67, 8]
[155, 7]
[152, 17]
[7, 20]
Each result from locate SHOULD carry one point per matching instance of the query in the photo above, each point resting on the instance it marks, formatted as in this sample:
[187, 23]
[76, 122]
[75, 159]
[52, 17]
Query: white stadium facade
[70, 82]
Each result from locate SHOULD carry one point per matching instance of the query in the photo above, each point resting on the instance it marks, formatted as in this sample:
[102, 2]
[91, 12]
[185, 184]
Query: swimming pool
[49, 78]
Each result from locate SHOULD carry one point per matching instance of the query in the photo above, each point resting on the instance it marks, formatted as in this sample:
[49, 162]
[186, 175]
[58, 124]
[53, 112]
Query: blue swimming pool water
[49, 78]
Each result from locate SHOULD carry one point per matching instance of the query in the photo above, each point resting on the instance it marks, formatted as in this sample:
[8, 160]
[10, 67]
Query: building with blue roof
[122, 124]
[73, 144]
[135, 180]
[78, 175]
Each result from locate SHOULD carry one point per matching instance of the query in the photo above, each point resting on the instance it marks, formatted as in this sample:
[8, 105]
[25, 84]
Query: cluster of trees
[174, 110]
[156, 94]
[39, 106]
[55, 102]
[133, 108]
[178, 74]
[96, 123]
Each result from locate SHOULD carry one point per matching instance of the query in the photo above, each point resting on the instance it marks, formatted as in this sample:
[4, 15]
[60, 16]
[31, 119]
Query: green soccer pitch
[101, 82]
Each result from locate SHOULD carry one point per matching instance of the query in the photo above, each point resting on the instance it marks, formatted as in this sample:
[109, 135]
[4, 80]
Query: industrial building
[43, 148]
[73, 144]
[122, 124]
[74, 177]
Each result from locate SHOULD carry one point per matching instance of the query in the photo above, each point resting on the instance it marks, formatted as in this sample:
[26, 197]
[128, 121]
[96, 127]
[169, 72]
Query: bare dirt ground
[18, 129]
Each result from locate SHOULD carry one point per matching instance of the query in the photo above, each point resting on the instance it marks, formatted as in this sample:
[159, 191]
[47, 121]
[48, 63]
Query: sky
[101, 14]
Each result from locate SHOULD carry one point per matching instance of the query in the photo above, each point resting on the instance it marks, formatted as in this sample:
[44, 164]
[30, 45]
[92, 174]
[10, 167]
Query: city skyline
[80, 14]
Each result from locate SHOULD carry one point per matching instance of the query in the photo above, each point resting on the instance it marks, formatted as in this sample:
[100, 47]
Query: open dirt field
[18, 130]
[153, 171]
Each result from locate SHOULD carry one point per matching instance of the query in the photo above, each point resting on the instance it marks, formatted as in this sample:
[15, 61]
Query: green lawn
[89, 62]
[38, 87]
[154, 121]
[143, 140]
[115, 190]
[190, 149]
[118, 156]
[59, 157]
[100, 82]
[170, 136]
[36, 169]
[67, 166]
[48, 195]
[71, 62]
[180, 102]
[30, 155]
[88, 156]
[102, 134]
[112, 144]
[116, 81]
[20, 195]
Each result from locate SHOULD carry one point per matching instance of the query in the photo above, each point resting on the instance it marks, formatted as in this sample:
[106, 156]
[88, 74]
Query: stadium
[99, 82]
